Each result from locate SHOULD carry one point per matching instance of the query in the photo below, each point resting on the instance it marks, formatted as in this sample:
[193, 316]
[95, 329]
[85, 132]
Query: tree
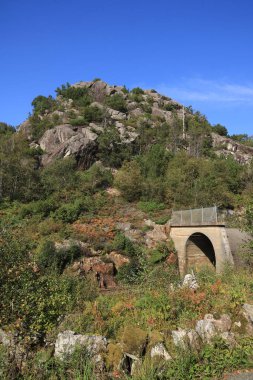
[220, 130]
[129, 180]
[60, 175]
[19, 177]
[42, 104]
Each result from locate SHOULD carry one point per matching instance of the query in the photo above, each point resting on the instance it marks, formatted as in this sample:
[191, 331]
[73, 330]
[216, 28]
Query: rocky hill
[87, 113]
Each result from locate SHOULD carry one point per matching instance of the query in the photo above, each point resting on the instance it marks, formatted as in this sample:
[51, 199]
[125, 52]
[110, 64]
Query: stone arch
[199, 251]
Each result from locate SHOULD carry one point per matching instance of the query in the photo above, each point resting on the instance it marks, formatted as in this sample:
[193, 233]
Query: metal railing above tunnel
[204, 216]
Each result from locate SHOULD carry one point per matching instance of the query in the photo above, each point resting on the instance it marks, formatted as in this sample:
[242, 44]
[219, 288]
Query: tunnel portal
[199, 252]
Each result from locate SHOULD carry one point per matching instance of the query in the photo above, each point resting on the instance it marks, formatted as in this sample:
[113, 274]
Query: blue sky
[198, 52]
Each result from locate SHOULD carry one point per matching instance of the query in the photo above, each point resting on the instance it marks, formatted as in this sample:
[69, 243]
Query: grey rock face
[186, 339]
[226, 146]
[206, 329]
[209, 327]
[65, 140]
[95, 345]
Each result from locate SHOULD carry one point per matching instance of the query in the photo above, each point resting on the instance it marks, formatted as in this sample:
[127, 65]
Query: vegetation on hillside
[158, 171]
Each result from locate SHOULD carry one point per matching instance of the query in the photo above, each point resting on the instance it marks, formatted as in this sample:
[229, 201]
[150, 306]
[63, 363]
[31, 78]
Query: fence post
[202, 216]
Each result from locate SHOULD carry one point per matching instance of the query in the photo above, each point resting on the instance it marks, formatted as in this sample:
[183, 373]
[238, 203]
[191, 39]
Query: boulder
[136, 112]
[156, 235]
[186, 338]
[65, 140]
[103, 272]
[158, 112]
[118, 259]
[209, 327]
[116, 115]
[95, 345]
[206, 329]
[223, 324]
[134, 341]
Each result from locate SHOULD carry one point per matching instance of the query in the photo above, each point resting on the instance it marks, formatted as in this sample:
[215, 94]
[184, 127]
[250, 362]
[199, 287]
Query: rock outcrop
[147, 108]
[65, 140]
[226, 146]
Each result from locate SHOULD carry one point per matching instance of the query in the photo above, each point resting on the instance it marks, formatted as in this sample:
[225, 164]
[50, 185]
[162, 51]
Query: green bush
[39, 126]
[93, 114]
[55, 260]
[6, 129]
[129, 181]
[131, 273]
[70, 212]
[124, 245]
[150, 206]
[172, 107]
[78, 121]
[41, 104]
[95, 178]
[117, 102]
[137, 91]
[42, 207]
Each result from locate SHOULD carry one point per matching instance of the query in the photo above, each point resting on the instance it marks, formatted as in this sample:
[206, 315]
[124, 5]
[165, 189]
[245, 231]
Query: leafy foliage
[117, 102]
[42, 104]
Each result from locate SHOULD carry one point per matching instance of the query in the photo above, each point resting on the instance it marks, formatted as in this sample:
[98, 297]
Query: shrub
[39, 126]
[70, 212]
[93, 114]
[95, 178]
[42, 207]
[55, 260]
[220, 129]
[41, 104]
[124, 245]
[111, 151]
[137, 91]
[78, 121]
[150, 206]
[6, 128]
[131, 273]
[117, 102]
[172, 107]
[129, 181]
[59, 175]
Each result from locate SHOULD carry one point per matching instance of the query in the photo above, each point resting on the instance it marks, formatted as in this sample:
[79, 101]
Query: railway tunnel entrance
[200, 238]
[199, 252]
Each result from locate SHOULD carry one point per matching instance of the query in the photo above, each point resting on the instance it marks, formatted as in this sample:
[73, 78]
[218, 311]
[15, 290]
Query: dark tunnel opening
[200, 251]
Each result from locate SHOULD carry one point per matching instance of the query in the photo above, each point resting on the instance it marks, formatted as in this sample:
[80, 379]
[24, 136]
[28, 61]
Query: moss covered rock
[134, 340]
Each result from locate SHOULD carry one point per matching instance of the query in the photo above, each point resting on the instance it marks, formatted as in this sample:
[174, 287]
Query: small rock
[6, 339]
[223, 324]
[123, 226]
[118, 259]
[160, 351]
[248, 310]
[190, 282]
[229, 338]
